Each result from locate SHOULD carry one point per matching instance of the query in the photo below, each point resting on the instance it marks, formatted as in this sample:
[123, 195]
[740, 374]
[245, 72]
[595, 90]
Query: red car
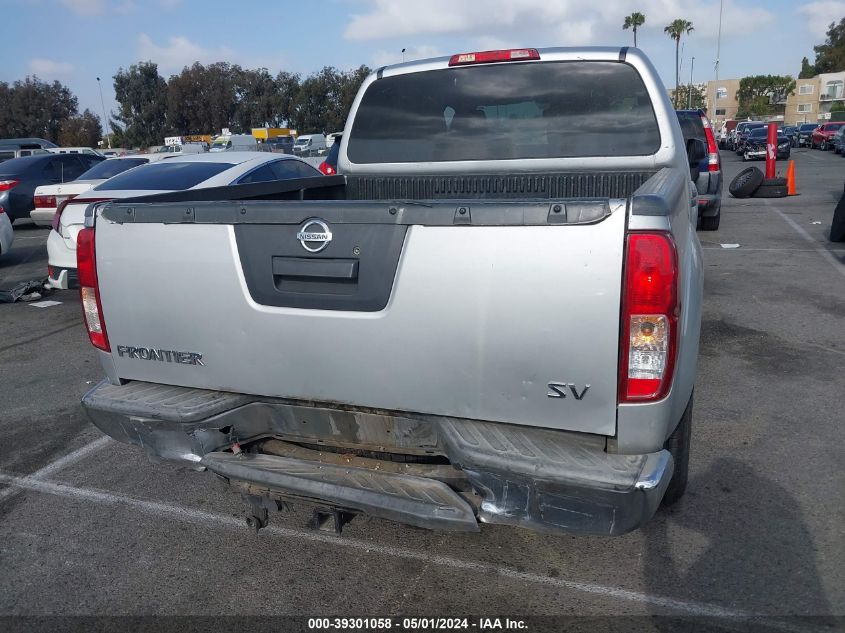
[823, 134]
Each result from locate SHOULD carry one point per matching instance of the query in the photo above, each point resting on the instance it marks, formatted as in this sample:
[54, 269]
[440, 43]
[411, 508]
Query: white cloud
[85, 7]
[576, 22]
[180, 52]
[821, 14]
[48, 68]
[385, 58]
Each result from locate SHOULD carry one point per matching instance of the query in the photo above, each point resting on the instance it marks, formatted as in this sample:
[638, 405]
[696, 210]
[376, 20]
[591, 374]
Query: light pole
[103, 105]
[403, 55]
[689, 98]
[718, 53]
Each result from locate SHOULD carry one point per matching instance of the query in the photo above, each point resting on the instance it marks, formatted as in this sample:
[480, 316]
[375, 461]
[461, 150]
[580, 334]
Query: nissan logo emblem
[314, 235]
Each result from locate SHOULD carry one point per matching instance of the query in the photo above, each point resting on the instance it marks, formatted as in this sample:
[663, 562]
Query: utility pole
[103, 105]
[689, 98]
[403, 55]
[718, 53]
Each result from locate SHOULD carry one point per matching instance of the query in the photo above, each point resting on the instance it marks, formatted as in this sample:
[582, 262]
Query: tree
[83, 130]
[35, 108]
[633, 21]
[690, 95]
[830, 56]
[837, 106]
[761, 95]
[675, 30]
[807, 70]
[142, 98]
[287, 88]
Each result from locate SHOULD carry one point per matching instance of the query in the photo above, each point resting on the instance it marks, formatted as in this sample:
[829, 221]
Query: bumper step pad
[417, 501]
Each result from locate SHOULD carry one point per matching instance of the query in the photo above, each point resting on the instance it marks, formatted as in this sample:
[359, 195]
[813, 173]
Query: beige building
[721, 101]
[804, 105]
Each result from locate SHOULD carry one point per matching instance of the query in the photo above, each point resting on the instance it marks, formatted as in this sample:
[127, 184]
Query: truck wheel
[746, 182]
[710, 224]
[837, 225]
[678, 445]
[772, 188]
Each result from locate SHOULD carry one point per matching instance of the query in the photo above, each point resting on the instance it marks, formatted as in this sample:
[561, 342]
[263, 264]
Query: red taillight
[649, 317]
[326, 169]
[44, 202]
[89, 290]
[57, 218]
[5, 185]
[714, 162]
[486, 57]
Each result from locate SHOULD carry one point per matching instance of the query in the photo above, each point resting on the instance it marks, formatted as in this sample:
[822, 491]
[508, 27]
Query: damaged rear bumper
[536, 478]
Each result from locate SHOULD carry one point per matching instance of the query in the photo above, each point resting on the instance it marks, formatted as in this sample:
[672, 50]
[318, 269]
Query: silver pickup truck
[491, 316]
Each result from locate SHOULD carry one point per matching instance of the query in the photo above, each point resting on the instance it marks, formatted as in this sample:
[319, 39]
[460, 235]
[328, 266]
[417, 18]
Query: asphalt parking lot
[89, 527]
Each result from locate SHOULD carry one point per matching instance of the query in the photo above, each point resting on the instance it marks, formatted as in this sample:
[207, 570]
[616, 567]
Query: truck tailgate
[468, 320]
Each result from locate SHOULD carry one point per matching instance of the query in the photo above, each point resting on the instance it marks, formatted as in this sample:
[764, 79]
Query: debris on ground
[26, 291]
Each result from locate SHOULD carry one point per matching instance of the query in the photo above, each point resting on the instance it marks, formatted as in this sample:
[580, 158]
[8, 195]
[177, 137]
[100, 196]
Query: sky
[76, 41]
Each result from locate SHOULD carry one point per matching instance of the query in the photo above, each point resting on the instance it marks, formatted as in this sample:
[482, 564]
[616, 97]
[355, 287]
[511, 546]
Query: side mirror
[696, 151]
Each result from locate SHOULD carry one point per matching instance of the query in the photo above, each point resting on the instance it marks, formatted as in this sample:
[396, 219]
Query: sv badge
[560, 389]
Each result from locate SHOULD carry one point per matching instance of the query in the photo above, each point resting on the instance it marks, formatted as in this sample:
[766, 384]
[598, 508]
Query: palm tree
[632, 22]
[674, 30]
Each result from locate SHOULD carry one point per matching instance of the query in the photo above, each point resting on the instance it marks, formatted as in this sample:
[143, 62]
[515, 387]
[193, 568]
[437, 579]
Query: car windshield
[808, 127]
[505, 111]
[302, 141]
[759, 132]
[834, 126]
[110, 168]
[167, 175]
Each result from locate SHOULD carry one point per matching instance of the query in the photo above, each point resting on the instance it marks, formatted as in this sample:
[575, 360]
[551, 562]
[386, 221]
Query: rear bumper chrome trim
[538, 478]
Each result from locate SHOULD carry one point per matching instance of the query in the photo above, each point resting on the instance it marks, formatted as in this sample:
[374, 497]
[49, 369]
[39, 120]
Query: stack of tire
[752, 183]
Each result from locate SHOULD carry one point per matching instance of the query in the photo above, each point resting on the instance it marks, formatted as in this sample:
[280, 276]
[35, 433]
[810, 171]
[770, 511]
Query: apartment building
[814, 97]
[721, 100]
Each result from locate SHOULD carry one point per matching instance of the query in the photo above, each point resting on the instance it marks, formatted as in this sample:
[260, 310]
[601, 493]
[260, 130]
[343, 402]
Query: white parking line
[826, 254]
[59, 464]
[209, 519]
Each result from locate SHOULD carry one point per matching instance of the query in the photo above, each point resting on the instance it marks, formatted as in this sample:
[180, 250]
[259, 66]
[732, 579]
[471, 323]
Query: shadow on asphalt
[760, 550]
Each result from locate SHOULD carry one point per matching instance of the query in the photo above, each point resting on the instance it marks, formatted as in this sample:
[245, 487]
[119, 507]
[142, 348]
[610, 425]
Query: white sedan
[180, 173]
[47, 198]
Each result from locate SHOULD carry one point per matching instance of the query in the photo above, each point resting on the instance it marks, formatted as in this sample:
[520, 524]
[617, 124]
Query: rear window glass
[166, 175]
[109, 168]
[505, 111]
[834, 126]
[691, 125]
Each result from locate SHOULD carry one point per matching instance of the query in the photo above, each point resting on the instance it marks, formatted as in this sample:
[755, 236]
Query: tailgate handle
[345, 269]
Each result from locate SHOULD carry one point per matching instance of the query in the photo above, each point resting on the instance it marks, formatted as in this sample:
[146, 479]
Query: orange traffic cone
[790, 179]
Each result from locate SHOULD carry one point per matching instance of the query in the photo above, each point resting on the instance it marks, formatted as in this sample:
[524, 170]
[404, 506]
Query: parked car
[182, 148]
[74, 150]
[790, 132]
[7, 233]
[19, 147]
[234, 143]
[331, 138]
[805, 133]
[836, 143]
[280, 144]
[820, 138]
[48, 198]
[733, 139]
[526, 358]
[329, 166]
[742, 135]
[757, 141]
[20, 176]
[191, 171]
[708, 181]
[309, 145]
